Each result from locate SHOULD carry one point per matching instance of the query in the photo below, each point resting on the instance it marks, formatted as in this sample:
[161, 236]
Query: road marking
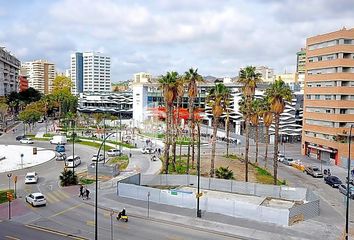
[52, 231]
[51, 197]
[90, 223]
[66, 210]
[14, 238]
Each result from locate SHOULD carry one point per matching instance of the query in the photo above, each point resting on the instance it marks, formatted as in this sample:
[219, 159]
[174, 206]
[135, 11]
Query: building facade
[266, 72]
[329, 96]
[90, 72]
[301, 61]
[40, 75]
[23, 83]
[9, 70]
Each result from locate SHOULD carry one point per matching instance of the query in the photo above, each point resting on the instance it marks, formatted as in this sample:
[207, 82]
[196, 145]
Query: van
[58, 140]
[72, 161]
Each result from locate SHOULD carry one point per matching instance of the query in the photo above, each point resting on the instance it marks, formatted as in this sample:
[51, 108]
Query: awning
[322, 149]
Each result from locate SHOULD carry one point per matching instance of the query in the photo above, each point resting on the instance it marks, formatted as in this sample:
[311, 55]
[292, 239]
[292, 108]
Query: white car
[72, 161]
[114, 152]
[100, 158]
[31, 177]
[36, 199]
[147, 150]
[26, 141]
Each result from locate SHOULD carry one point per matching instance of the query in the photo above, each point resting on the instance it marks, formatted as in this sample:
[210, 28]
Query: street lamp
[199, 215]
[9, 175]
[73, 136]
[348, 177]
[96, 193]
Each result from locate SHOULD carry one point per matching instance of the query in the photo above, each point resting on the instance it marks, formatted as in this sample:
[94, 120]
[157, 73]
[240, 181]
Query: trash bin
[34, 151]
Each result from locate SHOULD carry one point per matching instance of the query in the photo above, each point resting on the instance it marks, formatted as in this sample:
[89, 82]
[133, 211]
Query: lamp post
[199, 215]
[73, 136]
[9, 175]
[348, 178]
[96, 180]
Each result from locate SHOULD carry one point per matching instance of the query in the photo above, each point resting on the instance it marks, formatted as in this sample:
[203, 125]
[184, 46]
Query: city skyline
[217, 37]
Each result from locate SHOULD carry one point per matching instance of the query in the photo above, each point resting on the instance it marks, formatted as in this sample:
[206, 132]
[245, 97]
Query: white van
[72, 161]
[58, 140]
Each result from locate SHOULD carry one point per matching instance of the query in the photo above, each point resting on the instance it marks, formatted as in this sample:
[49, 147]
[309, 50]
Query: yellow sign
[198, 195]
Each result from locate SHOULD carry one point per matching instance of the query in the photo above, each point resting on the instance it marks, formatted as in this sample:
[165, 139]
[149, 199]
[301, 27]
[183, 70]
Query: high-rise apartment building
[40, 75]
[90, 72]
[9, 68]
[329, 96]
[266, 72]
[301, 61]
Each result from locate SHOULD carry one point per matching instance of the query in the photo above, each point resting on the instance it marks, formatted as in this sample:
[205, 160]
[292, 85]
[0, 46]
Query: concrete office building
[90, 72]
[9, 69]
[329, 96]
[40, 75]
[301, 61]
[266, 72]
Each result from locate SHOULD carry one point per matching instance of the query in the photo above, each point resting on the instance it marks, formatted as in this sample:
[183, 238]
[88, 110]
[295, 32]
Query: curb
[60, 233]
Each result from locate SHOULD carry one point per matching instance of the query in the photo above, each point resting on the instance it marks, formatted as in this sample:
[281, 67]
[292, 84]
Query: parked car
[72, 161]
[18, 138]
[281, 157]
[60, 156]
[343, 189]
[100, 158]
[147, 150]
[31, 177]
[333, 181]
[313, 171]
[114, 152]
[59, 140]
[41, 120]
[60, 148]
[288, 161]
[36, 199]
[26, 141]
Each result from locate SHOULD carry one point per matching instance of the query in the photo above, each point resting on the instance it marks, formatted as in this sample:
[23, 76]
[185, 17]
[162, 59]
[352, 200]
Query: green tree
[62, 85]
[4, 108]
[224, 173]
[249, 79]
[67, 178]
[30, 115]
[192, 77]
[168, 85]
[277, 94]
[218, 100]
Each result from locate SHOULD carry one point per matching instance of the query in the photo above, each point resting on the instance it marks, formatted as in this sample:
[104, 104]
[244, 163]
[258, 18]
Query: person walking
[81, 191]
[87, 192]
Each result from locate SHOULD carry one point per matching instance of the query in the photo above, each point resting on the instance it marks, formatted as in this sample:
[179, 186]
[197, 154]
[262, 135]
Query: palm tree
[277, 94]
[227, 126]
[180, 84]
[218, 100]
[192, 77]
[255, 115]
[168, 85]
[267, 116]
[249, 79]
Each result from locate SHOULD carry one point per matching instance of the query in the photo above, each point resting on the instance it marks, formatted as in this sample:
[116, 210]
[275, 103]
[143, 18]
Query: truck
[58, 140]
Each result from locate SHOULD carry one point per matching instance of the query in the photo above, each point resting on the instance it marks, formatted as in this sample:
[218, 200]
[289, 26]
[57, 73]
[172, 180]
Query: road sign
[198, 195]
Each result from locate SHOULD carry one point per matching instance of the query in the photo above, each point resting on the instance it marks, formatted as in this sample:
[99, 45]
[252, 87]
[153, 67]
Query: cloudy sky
[217, 36]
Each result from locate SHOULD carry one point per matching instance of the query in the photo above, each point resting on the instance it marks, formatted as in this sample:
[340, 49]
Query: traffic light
[9, 196]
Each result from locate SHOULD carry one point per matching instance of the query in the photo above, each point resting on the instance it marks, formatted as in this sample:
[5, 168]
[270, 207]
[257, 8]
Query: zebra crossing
[56, 196]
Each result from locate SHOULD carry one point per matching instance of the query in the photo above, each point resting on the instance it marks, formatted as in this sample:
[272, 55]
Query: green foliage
[67, 178]
[16, 100]
[94, 144]
[3, 197]
[62, 85]
[86, 181]
[122, 161]
[30, 115]
[224, 173]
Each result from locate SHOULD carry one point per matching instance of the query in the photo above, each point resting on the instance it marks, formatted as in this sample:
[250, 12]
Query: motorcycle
[123, 218]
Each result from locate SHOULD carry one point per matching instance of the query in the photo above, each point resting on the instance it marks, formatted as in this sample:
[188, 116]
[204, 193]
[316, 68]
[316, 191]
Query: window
[342, 111]
[328, 97]
[328, 110]
[348, 41]
[317, 96]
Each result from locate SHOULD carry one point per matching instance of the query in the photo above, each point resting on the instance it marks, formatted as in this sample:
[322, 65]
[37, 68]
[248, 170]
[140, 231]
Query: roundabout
[15, 157]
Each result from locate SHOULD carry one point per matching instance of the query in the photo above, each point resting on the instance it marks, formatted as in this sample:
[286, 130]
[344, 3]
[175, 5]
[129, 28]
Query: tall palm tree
[180, 85]
[218, 100]
[192, 78]
[277, 94]
[255, 115]
[249, 78]
[227, 126]
[168, 85]
[267, 116]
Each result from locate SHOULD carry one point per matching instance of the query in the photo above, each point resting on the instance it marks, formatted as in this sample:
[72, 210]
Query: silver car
[343, 189]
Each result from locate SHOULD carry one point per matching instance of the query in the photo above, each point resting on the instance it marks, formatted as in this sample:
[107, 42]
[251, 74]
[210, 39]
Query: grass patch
[94, 144]
[41, 139]
[48, 135]
[181, 166]
[152, 135]
[263, 176]
[233, 156]
[30, 135]
[3, 197]
[127, 145]
[86, 181]
[122, 161]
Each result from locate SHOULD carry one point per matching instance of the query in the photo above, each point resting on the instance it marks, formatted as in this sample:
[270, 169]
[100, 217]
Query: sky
[216, 36]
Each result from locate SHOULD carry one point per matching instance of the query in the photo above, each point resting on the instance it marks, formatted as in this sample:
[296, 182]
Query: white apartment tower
[40, 75]
[90, 72]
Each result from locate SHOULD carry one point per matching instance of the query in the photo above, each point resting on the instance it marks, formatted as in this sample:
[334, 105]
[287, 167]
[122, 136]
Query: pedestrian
[159, 151]
[81, 191]
[87, 194]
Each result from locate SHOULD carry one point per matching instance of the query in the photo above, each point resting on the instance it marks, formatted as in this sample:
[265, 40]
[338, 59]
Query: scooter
[122, 218]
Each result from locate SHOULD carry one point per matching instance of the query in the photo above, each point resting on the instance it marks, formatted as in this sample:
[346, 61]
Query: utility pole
[348, 189]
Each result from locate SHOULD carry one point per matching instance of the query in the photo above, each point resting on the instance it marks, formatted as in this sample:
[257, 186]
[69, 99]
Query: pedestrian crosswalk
[56, 196]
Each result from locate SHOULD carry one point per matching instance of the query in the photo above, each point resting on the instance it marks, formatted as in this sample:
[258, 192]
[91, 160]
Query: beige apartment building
[40, 75]
[329, 96]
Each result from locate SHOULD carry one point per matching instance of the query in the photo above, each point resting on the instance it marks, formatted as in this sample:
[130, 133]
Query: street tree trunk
[266, 150]
[256, 144]
[247, 149]
[213, 146]
[167, 146]
[191, 128]
[276, 141]
[227, 134]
